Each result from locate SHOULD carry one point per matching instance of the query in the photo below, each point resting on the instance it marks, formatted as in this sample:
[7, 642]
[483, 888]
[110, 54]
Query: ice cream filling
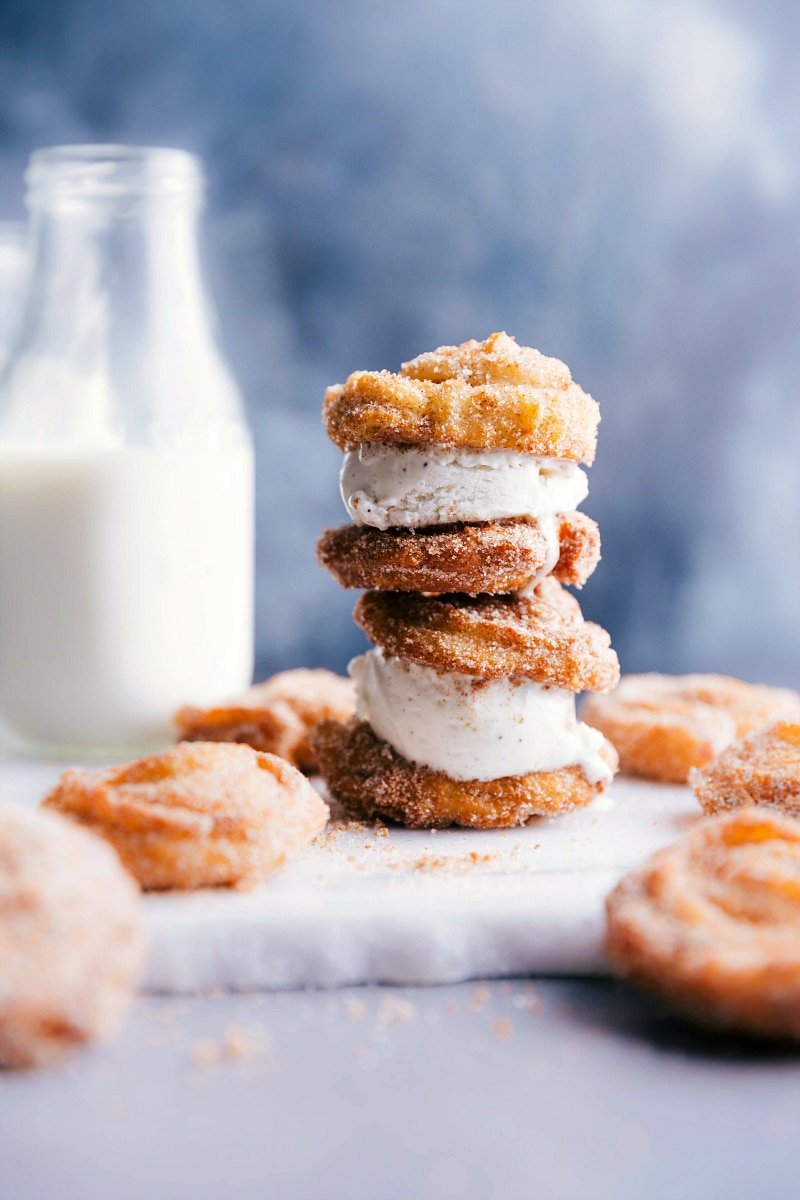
[389, 486]
[471, 728]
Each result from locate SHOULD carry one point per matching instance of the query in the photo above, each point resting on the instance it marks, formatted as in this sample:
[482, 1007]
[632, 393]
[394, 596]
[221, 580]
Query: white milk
[126, 589]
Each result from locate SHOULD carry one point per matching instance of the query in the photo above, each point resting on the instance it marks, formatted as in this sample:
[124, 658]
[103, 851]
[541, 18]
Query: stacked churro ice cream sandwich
[461, 477]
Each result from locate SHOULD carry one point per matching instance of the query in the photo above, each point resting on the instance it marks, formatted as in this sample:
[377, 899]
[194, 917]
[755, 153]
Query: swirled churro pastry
[72, 941]
[201, 814]
[542, 637]
[712, 924]
[495, 557]
[763, 768]
[492, 395]
[370, 779]
[275, 716]
[663, 725]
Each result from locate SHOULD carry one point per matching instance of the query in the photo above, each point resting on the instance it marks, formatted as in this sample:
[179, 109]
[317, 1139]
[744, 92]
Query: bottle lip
[99, 171]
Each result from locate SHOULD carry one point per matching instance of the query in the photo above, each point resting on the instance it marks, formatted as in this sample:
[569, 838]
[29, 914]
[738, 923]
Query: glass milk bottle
[126, 467]
[13, 278]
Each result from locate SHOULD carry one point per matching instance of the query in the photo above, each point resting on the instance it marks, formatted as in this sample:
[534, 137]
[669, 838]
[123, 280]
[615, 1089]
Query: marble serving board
[388, 905]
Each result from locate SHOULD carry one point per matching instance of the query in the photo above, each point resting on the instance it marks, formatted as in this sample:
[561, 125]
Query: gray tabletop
[516, 1089]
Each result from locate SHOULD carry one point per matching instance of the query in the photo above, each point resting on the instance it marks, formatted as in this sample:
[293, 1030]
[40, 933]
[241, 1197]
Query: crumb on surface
[503, 1028]
[238, 1043]
[456, 863]
[204, 1052]
[395, 1010]
[479, 999]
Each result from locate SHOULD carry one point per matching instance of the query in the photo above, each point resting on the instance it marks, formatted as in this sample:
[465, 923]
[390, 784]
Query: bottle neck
[100, 268]
[116, 345]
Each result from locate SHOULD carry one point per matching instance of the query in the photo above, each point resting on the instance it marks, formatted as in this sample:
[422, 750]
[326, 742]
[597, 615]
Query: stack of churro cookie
[461, 476]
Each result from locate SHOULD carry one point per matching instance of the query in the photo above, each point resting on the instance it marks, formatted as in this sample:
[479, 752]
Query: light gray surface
[406, 907]
[444, 1093]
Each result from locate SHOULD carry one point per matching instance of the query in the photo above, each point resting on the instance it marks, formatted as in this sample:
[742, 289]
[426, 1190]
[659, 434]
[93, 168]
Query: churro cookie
[712, 924]
[199, 815]
[492, 395]
[370, 779]
[663, 725]
[542, 636]
[494, 557]
[275, 716]
[72, 942]
[763, 768]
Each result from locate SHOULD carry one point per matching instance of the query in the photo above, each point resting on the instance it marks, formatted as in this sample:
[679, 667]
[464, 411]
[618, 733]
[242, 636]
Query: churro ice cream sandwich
[462, 478]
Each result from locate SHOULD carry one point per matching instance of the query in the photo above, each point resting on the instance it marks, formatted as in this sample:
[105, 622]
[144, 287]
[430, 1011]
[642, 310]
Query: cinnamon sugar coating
[763, 768]
[496, 557]
[712, 924]
[663, 725]
[72, 941]
[201, 814]
[541, 637]
[492, 395]
[275, 716]
[370, 779]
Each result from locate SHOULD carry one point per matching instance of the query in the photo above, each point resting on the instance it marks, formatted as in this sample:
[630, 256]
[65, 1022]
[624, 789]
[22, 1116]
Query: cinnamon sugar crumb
[204, 1052]
[456, 863]
[479, 999]
[238, 1043]
[394, 1010]
[503, 1028]
[243, 1042]
[355, 1009]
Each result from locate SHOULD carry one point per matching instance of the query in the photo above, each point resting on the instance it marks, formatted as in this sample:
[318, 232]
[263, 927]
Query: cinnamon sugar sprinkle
[238, 1043]
[386, 853]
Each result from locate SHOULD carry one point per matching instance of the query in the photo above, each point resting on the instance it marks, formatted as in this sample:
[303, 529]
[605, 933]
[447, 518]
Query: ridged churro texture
[712, 924]
[370, 779]
[541, 637]
[491, 395]
[763, 768]
[275, 716]
[202, 814]
[72, 942]
[663, 725]
[495, 557]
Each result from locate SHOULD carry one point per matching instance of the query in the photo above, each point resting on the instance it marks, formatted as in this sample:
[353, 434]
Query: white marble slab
[406, 907]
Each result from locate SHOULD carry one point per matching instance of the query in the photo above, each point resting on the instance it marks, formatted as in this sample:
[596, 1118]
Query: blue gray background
[613, 181]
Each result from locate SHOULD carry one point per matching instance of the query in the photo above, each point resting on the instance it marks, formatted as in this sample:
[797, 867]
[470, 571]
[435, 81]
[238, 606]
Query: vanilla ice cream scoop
[471, 728]
[386, 486]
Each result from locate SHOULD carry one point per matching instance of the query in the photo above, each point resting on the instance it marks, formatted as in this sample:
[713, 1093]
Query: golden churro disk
[663, 725]
[712, 924]
[542, 637]
[370, 779]
[496, 557]
[72, 942]
[201, 814]
[274, 716]
[763, 768]
[492, 395]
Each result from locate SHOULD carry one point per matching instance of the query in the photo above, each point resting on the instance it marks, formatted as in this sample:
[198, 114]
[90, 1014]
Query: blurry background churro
[615, 182]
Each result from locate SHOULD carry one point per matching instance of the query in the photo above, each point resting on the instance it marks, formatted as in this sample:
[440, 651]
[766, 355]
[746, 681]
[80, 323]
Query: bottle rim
[97, 171]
